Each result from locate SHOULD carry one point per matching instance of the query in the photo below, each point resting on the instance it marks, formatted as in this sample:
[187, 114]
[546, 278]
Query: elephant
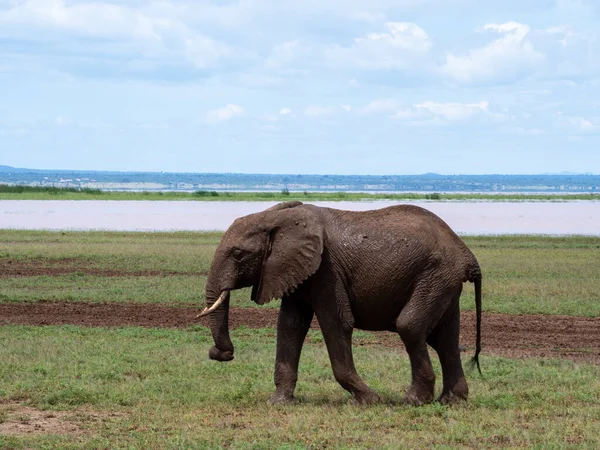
[399, 268]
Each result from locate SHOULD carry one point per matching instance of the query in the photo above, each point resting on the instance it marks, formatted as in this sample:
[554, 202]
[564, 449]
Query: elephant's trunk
[219, 325]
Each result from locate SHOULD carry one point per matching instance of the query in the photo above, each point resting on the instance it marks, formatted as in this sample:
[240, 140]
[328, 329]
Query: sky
[310, 86]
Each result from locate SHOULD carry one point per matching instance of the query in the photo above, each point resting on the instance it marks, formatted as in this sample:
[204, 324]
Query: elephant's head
[273, 251]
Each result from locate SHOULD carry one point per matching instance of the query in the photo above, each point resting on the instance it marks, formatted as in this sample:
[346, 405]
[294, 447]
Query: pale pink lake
[465, 217]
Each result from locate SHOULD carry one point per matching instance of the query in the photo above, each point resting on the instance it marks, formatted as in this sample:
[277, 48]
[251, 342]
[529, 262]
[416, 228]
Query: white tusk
[207, 311]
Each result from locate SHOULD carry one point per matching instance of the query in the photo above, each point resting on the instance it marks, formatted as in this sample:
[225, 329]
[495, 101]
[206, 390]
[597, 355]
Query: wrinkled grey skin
[399, 269]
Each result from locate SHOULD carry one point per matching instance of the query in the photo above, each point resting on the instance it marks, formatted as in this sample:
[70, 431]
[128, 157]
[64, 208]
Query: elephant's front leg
[294, 321]
[338, 339]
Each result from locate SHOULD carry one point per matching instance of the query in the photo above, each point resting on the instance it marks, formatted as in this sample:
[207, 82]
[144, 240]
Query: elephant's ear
[293, 253]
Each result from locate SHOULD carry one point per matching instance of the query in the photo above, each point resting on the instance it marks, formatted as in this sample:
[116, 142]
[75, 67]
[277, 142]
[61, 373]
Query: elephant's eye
[237, 253]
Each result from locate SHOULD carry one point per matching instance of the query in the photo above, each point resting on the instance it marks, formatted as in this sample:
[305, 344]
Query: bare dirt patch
[17, 419]
[573, 338]
[15, 268]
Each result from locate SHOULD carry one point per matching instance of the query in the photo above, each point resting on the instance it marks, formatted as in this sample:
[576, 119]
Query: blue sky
[328, 86]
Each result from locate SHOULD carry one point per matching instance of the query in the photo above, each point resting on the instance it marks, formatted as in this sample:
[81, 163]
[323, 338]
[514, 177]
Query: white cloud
[282, 55]
[204, 52]
[427, 112]
[381, 105]
[570, 51]
[408, 114]
[259, 80]
[92, 19]
[584, 124]
[508, 55]
[283, 112]
[143, 31]
[318, 111]
[401, 34]
[454, 111]
[400, 47]
[517, 28]
[569, 36]
[226, 113]
[369, 17]
[525, 131]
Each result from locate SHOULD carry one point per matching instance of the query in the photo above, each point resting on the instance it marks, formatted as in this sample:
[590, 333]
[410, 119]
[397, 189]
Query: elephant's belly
[376, 317]
[376, 309]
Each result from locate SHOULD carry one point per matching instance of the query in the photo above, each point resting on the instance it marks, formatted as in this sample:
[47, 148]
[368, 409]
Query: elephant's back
[433, 233]
[395, 220]
[407, 235]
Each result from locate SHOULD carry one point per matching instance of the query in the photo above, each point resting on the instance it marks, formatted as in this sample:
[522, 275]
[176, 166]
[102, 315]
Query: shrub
[206, 194]
[52, 190]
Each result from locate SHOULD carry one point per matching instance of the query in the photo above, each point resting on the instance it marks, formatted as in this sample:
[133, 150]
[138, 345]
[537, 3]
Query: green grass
[538, 275]
[172, 290]
[157, 389]
[182, 252]
[53, 193]
[522, 274]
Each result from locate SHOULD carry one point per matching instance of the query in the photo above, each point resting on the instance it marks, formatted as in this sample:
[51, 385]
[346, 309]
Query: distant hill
[13, 169]
[428, 182]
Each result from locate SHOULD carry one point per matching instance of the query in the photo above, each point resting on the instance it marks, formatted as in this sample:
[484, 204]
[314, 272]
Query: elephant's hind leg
[444, 339]
[294, 321]
[422, 312]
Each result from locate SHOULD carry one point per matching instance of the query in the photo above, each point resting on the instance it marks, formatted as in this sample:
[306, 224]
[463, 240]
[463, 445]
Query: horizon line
[564, 173]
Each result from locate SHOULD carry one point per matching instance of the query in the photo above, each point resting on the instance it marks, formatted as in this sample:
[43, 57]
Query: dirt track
[574, 338]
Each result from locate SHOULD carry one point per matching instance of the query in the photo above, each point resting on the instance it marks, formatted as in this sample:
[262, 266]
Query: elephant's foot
[457, 393]
[366, 398]
[417, 397]
[280, 398]
[450, 398]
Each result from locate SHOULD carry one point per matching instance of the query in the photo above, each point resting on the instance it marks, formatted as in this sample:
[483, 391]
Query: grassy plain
[155, 388]
[522, 274]
[144, 388]
[52, 193]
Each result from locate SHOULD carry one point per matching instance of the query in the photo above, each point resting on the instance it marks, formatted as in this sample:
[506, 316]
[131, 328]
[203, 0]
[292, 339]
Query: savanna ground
[100, 349]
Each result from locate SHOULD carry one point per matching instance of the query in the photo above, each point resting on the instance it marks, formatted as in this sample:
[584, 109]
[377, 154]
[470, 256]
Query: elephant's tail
[475, 359]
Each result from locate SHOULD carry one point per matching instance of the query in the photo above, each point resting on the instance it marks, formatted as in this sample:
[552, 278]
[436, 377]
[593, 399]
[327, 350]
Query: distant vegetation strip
[52, 190]
[20, 192]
